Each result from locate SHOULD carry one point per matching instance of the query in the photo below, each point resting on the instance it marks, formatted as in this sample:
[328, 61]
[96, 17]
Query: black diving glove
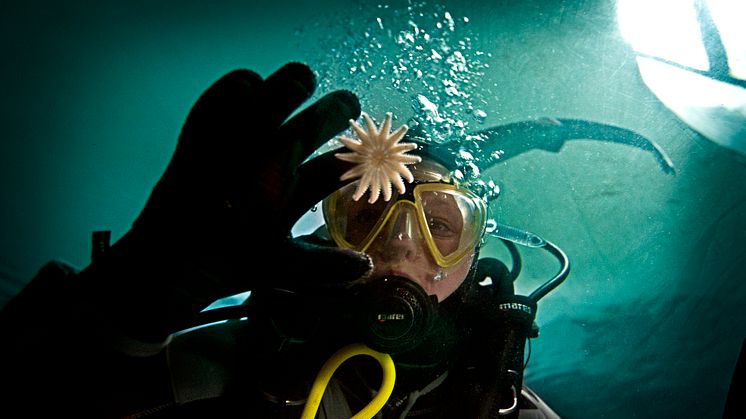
[218, 221]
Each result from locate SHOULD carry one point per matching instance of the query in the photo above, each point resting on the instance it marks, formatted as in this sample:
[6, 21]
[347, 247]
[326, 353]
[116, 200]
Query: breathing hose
[331, 365]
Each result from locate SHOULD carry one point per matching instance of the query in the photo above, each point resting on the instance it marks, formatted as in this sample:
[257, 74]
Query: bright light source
[729, 16]
[666, 29]
[716, 109]
[669, 32]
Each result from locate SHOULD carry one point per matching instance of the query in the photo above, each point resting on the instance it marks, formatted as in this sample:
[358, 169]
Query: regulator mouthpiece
[396, 315]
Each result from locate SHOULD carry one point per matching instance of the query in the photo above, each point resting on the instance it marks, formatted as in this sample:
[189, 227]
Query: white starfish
[380, 158]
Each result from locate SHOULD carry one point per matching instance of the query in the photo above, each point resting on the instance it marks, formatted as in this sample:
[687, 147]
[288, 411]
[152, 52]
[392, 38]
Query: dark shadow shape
[551, 134]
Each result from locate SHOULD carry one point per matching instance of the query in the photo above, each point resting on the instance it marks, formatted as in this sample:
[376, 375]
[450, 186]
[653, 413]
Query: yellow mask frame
[472, 208]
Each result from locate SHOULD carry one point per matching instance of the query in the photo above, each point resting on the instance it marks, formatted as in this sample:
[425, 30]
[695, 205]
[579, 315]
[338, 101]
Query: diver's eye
[441, 227]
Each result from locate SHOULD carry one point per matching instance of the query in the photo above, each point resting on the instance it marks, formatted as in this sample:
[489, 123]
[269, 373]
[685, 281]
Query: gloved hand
[218, 221]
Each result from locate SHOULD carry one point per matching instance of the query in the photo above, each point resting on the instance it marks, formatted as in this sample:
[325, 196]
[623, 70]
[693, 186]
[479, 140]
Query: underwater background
[615, 128]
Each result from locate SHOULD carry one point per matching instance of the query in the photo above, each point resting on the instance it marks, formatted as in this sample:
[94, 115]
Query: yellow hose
[331, 365]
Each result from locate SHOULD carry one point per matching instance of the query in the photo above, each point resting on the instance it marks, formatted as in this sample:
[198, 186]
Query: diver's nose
[404, 237]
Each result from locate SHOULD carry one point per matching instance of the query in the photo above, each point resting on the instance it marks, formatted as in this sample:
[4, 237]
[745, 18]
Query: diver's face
[401, 249]
[402, 255]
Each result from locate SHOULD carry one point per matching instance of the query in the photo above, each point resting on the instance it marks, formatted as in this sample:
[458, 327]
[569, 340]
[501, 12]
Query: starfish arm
[386, 179]
[351, 157]
[405, 173]
[359, 192]
[398, 182]
[355, 172]
[360, 132]
[407, 159]
[372, 130]
[352, 144]
[363, 185]
[392, 180]
[397, 135]
[375, 188]
[402, 148]
[386, 126]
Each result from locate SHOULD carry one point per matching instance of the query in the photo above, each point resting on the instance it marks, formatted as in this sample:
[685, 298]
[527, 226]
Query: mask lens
[350, 220]
[453, 219]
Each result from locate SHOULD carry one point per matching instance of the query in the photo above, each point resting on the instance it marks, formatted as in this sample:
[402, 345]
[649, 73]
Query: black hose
[515, 256]
[550, 285]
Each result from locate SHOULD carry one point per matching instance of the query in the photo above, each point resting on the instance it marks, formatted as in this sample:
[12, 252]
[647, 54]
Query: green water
[649, 323]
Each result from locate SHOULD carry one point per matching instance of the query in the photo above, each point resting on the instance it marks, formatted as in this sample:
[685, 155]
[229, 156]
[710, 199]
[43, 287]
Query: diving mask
[448, 219]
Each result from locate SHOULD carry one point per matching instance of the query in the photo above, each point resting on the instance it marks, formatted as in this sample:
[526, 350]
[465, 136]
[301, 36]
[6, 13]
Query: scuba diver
[396, 276]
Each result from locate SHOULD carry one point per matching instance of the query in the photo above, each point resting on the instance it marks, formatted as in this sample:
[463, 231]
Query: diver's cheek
[422, 272]
[447, 281]
[444, 289]
[435, 280]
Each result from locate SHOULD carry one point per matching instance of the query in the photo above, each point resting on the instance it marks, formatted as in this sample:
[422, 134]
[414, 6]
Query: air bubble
[465, 155]
[422, 58]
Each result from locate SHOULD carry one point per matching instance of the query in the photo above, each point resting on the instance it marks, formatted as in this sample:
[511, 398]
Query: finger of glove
[306, 266]
[220, 110]
[318, 123]
[316, 179]
[284, 91]
[211, 140]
